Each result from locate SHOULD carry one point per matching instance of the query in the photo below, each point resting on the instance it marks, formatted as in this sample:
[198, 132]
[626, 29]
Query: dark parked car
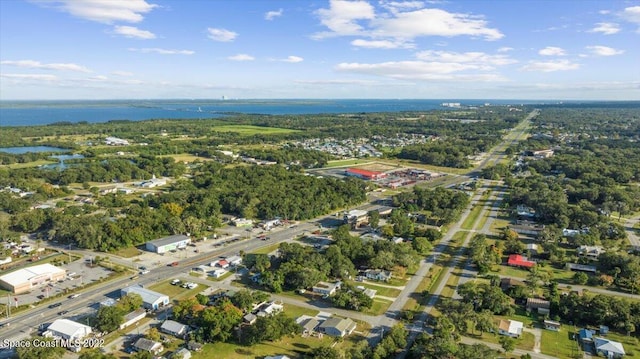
[54, 305]
[63, 312]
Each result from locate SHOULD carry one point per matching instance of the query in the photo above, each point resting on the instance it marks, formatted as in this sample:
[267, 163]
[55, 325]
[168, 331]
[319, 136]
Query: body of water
[29, 113]
[23, 150]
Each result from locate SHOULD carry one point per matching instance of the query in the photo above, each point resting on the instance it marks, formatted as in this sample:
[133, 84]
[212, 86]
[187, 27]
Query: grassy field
[128, 252]
[383, 291]
[176, 292]
[185, 157]
[266, 250]
[379, 307]
[28, 164]
[473, 215]
[249, 130]
[415, 299]
[294, 311]
[340, 163]
[559, 344]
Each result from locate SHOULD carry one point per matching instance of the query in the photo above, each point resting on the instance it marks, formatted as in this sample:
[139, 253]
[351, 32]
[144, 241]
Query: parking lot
[79, 272]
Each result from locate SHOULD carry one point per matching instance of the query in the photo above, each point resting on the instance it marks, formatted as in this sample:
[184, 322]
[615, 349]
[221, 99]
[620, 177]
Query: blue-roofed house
[586, 335]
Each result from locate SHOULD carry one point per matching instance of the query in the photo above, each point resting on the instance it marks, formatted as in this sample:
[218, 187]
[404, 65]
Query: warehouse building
[364, 174]
[166, 244]
[25, 279]
[150, 299]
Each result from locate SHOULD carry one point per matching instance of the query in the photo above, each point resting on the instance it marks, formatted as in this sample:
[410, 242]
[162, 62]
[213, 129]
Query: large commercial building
[167, 244]
[150, 299]
[23, 280]
[364, 174]
[67, 329]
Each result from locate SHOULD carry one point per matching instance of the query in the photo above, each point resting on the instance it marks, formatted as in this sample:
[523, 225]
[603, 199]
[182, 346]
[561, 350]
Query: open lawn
[559, 344]
[473, 215]
[249, 130]
[28, 164]
[383, 291]
[294, 311]
[379, 307]
[525, 342]
[417, 164]
[128, 252]
[295, 347]
[415, 299]
[267, 249]
[340, 163]
[185, 157]
[176, 292]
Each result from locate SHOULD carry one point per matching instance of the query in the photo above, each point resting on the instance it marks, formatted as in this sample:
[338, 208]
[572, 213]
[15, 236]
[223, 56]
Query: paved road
[632, 233]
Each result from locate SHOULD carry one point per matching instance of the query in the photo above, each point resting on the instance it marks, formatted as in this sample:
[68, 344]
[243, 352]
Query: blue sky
[144, 49]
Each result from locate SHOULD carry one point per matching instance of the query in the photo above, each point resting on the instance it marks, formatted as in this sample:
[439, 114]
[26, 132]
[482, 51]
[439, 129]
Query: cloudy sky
[114, 49]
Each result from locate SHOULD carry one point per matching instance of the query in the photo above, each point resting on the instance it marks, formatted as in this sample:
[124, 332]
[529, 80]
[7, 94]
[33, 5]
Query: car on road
[173, 264]
[54, 305]
[73, 296]
[145, 271]
[63, 312]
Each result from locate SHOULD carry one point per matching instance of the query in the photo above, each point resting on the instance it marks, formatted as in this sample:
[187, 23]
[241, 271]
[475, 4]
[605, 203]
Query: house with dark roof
[552, 325]
[539, 305]
[508, 283]
[146, 345]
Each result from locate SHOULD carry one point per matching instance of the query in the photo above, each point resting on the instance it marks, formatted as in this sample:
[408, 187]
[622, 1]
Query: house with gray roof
[146, 345]
[609, 348]
[337, 327]
[174, 328]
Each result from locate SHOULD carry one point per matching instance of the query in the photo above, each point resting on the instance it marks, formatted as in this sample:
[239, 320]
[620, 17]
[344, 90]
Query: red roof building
[516, 260]
[364, 174]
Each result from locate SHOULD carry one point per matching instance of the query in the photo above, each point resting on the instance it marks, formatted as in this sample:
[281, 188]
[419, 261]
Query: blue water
[29, 113]
[61, 158]
[23, 150]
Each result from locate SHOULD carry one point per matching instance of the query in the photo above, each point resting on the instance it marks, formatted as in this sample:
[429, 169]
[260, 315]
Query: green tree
[41, 352]
[130, 302]
[109, 319]
[507, 343]
[95, 354]
[323, 353]
[374, 219]
[580, 278]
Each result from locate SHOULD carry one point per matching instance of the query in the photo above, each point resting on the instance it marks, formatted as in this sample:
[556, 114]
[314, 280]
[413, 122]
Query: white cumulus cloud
[241, 57]
[270, 15]
[222, 35]
[52, 66]
[341, 17]
[382, 44]
[480, 59]
[631, 14]
[134, 32]
[155, 50]
[550, 66]
[400, 21]
[606, 28]
[552, 51]
[103, 11]
[36, 77]
[122, 73]
[599, 50]
[293, 59]
[505, 49]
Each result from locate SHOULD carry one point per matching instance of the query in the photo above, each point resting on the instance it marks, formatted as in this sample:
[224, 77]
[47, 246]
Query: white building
[166, 244]
[133, 317]
[325, 288]
[114, 141]
[511, 328]
[234, 260]
[153, 182]
[150, 299]
[25, 279]
[67, 329]
[242, 222]
[217, 273]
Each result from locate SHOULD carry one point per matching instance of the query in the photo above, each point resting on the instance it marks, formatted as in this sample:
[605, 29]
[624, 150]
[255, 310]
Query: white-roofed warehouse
[23, 280]
[167, 244]
[68, 329]
[150, 299]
